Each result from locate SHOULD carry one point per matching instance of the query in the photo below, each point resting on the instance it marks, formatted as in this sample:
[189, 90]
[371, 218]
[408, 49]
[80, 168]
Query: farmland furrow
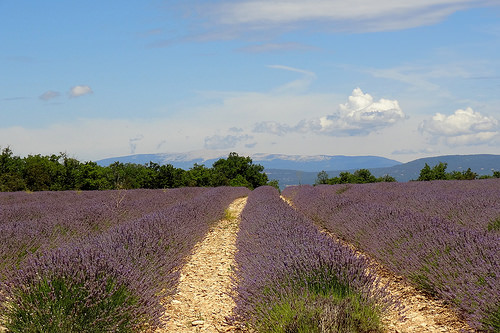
[203, 301]
[419, 312]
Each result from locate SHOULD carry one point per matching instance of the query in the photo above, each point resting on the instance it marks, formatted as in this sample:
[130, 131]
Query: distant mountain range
[303, 169]
[482, 164]
[314, 163]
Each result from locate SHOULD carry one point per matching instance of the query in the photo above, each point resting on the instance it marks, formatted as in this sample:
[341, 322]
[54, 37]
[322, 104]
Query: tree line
[437, 172]
[361, 176]
[60, 172]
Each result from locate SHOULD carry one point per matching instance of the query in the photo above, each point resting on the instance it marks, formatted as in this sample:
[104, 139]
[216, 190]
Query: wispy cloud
[414, 151]
[296, 85]
[224, 142]
[272, 127]
[48, 95]
[19, 98]
[356, 15]
[133, 142]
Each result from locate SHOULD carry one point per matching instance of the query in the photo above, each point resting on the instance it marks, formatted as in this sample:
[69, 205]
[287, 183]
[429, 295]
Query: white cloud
[464, 127]
[271, 127]
[414, 151]
[296, 85]
[133, 142]
[78, 91]
[224, 142]
[361, 115]
[48, 95]
[357, 15]
[99, 138]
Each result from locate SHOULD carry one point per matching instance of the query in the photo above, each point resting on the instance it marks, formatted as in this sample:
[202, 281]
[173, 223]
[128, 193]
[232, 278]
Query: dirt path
[202, 302]
[420, 313]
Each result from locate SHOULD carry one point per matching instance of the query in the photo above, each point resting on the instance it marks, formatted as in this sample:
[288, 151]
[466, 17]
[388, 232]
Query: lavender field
[103, 261]
[444, 236]
[292, 278]
[98, 261]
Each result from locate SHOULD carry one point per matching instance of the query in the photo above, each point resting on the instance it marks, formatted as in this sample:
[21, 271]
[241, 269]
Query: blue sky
[402, 80]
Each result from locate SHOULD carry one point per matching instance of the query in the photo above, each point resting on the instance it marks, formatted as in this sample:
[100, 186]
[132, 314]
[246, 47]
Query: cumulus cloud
[224, 142]
[48, 95]
[81, 90]
[361, 115]
[464, 127]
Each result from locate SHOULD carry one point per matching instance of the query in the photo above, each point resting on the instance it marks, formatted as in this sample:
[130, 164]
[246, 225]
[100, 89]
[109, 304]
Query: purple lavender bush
[445, 250]
[292, 278]
[37, 222]
[112, 281]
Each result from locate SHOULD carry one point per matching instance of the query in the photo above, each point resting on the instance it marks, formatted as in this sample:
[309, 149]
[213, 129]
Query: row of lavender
[109, 279]
[474, 204]
[434, 233]
[292, 278]
[37, 222]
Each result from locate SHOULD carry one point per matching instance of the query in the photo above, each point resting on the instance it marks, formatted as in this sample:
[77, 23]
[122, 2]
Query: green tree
[199, 176]
[39, 172]
[322, 178]
[166, 176]
[425, 173]
[387, 179]
[363, 176]
[92, 176]
[126, 175]
[438, 172]
[360, 176]
[69, 173]
[274, 183]
[11, 178]
[237, 167]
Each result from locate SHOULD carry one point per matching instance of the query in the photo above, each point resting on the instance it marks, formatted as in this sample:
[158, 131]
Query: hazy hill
[482, 164]
[314, 163]
[303, 169]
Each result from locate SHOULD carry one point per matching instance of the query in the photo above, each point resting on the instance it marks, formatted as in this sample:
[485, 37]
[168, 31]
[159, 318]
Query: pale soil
[203, 300]
[419, 312]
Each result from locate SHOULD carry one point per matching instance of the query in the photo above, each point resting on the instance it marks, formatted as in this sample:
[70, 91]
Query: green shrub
[318, 313]
[494, 225]
[60, 305]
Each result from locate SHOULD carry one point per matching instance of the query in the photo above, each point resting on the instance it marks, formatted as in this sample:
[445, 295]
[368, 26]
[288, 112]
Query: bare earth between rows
[419, 313]
[202, 302]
